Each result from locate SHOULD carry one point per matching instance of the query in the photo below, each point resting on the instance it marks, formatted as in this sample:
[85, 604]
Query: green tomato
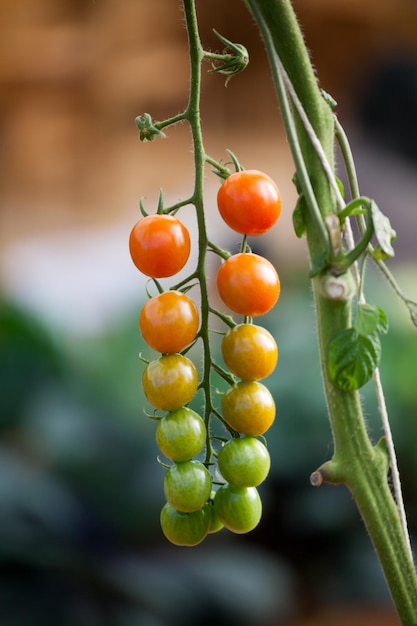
[215, 523]
[181, 434]
[184, 529]
[187, 486]
[170, 382]
[244, 461]
[238, 508]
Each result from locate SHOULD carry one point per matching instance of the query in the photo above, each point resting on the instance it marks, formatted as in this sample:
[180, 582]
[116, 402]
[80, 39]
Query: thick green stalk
[356, 463]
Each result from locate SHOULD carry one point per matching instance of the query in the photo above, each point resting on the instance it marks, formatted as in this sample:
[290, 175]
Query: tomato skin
[249, 202]
[187, 486]
[244, 461]
[215, 523]
[181, 434]
[249, 408]
[159, 245]
[238, 508]
[169, 322]
[170, 382]
[184, 529]
[248, 284]
[250, 352]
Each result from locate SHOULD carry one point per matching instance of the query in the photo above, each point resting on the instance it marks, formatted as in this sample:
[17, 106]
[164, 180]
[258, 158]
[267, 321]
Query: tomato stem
[356, 462]
[192, 114]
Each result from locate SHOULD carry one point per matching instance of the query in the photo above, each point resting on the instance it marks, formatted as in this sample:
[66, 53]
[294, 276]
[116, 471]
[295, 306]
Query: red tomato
[169, 322]
[159, 245]
[248, 284]
[249, 202]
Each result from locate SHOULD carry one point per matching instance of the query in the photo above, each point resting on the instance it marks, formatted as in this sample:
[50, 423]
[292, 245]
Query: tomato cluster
[203, 496]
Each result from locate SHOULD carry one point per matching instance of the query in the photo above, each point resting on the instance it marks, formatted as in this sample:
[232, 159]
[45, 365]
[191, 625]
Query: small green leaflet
[354, 353]
[384, 233]
[353, 358]
[370, 319]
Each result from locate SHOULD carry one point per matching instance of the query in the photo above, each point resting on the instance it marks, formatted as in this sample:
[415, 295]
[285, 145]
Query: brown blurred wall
[74, 74]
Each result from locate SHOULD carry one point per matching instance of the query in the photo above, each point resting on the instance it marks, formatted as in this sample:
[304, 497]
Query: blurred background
[80, 487]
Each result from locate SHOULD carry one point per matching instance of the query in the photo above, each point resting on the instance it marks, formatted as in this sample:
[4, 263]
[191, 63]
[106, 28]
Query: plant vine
[349, 329]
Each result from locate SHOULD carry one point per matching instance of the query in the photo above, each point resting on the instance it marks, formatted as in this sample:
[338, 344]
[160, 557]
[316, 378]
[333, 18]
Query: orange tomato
[159, 245]
[169, 322]
[248, 284]
[249, 202]
[249, 408]
[250, 352]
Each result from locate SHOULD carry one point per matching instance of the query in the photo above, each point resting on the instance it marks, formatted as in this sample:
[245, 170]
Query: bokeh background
[80, 487]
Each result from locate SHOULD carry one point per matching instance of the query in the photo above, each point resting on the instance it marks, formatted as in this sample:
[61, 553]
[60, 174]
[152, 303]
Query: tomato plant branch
[354, 186]
[380, 396]
[192, 115]
[303, 177]
[356, 462]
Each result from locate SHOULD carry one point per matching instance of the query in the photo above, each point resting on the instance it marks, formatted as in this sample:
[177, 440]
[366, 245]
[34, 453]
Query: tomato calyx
[234, 59]
[148, 130]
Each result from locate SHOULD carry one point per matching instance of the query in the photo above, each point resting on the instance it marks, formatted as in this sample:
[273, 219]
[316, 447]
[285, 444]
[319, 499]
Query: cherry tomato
[244, 461]
[187, 486]
[169, 322]
[249, 408]
[250, 352]
[181, 434]
[170, 382]
[238, 508]
[159, 245]
[249, 202]
[215, 523]
[184, 529]
[248, 284]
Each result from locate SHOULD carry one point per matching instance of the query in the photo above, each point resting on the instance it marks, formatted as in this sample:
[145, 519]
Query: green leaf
[384, 233]
[298, 218]
[353, 358]
[383, 324]
[370, 319]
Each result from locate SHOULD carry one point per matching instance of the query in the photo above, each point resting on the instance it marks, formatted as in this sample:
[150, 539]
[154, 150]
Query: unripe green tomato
[215, 523]
[170, 382]
[184, 529]
[187, 486]
[249, 408]
[181, 434]
[238, 508]
[244, 461]
[249, 351]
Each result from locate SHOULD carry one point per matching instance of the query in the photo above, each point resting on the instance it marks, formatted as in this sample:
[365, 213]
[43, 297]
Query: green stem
[356, 463]
[354, 188]
[192, 114]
